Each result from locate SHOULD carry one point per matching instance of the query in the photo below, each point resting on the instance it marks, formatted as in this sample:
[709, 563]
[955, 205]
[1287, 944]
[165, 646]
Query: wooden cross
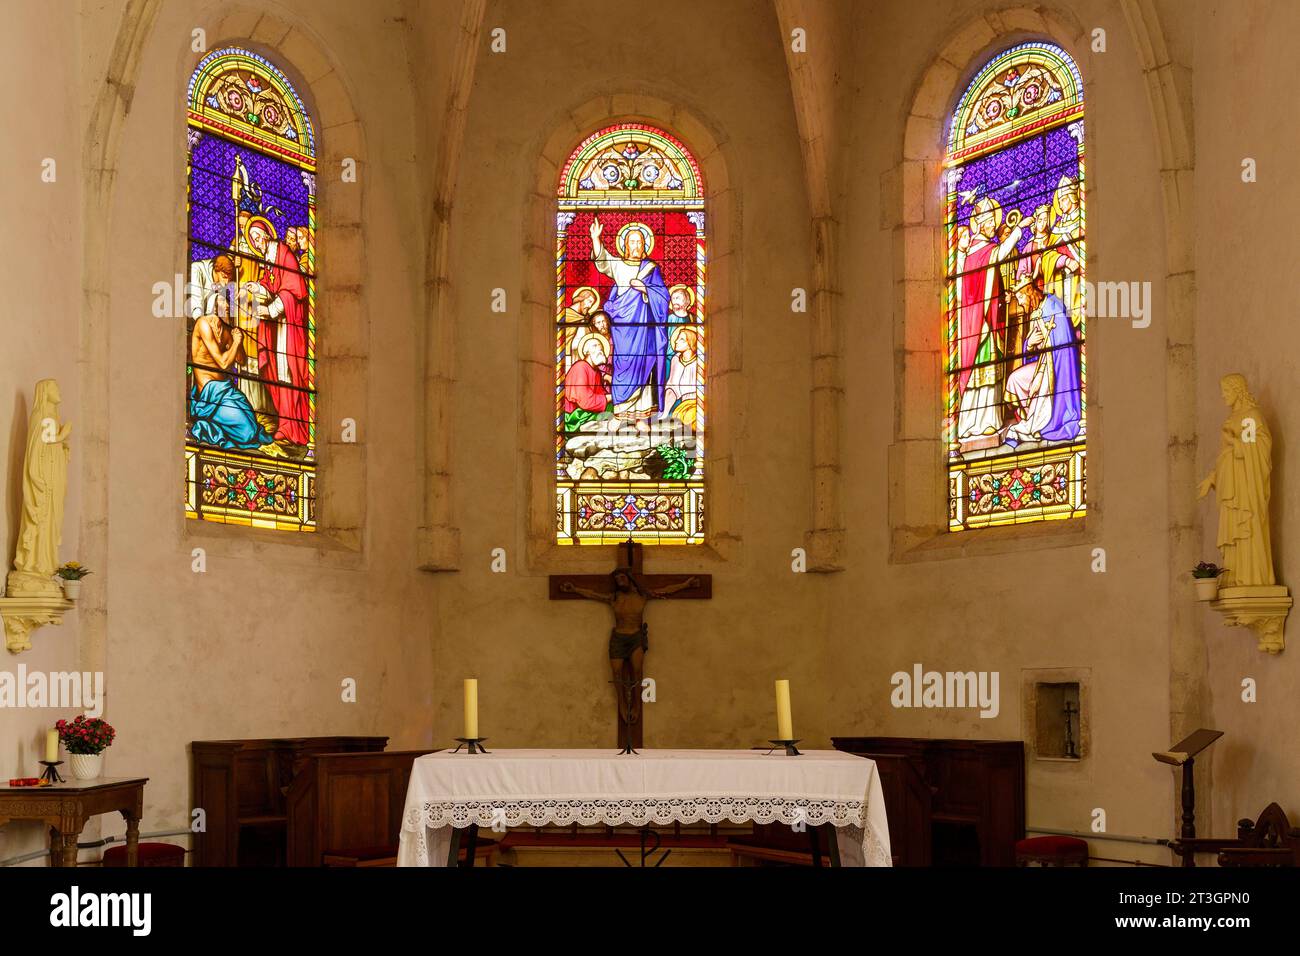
[627, 589]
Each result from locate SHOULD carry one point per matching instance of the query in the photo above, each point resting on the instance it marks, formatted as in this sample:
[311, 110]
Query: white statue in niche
[1241, 481]
[45, 484]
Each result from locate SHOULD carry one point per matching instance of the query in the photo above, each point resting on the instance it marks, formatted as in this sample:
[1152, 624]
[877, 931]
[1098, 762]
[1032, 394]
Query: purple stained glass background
[212, 211]
[1022, 176]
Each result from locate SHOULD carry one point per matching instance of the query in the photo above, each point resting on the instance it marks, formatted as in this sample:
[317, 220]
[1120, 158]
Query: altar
[452, 793]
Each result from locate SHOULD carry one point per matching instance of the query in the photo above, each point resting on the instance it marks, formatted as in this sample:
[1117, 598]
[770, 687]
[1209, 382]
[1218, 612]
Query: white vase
[86, 766]
[1207, 589]
[71, 588]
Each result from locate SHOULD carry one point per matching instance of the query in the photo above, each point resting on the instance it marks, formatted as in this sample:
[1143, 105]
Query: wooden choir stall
[949, 802]
[296, 801]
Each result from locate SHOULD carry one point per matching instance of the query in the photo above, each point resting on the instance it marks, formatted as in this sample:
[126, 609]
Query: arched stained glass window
[250, 442]
[1016, 412]
[630, 341]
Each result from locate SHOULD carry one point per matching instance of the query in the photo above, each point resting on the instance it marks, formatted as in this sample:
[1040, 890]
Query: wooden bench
[241, 785]
[485, 852]
[778, 843]
[340, 804]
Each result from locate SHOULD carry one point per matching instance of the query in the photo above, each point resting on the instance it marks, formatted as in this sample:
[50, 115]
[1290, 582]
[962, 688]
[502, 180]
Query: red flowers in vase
[85, 735]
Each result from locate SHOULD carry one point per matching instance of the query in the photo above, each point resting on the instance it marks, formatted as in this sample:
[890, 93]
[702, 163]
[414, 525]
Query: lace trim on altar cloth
[849, 814]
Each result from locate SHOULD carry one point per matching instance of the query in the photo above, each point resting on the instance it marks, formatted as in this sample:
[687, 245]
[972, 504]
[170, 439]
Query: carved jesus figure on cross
[629, 592]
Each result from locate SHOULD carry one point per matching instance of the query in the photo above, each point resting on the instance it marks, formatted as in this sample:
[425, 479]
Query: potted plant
[84, 739]
[70, 576]
[1206, 578]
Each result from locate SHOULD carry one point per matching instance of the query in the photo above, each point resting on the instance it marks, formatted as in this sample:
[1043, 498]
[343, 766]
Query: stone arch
[910, 200]
[438, 546]
[537, 298]
[342, 340]
[343, 346]
[913, 208]
[100, 159]
[811, 92]
[1169, 88]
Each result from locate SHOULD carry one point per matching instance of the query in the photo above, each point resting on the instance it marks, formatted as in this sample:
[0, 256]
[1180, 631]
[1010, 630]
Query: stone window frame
[912, 208]
[723, 499]
[343, 332]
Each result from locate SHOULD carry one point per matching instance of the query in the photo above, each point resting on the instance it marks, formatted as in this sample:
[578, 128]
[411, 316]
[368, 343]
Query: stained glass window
[630, 341]
[1015, 420]
[250, 440]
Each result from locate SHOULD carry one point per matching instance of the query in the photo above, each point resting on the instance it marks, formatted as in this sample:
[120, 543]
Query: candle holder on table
[473, 745]
[51, 772]
[790, 749]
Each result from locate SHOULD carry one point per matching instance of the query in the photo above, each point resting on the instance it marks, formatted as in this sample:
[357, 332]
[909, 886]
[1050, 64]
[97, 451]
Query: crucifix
[627, 590]
[1070, 712]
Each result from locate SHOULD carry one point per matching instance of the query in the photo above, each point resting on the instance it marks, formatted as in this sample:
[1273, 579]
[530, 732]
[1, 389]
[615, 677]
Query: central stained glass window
[630, 341]
[1015, 420]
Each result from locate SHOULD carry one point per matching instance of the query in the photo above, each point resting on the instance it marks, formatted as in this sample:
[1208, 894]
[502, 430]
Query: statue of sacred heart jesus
[627, 590]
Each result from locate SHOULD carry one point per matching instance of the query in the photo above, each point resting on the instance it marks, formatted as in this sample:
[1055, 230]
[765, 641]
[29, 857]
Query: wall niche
[1055, 714]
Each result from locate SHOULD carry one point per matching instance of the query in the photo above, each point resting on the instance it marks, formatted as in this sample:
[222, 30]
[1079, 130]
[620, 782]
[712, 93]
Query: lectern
[1183, 754]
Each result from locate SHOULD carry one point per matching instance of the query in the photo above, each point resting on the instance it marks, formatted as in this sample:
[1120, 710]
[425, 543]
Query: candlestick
[790, 749]
[473, 745]
[784, 725]
[51, 746]
[471, 708]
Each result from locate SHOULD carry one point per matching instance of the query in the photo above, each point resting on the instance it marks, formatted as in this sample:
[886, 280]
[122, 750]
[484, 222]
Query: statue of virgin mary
[45, 484]
[1241, 480]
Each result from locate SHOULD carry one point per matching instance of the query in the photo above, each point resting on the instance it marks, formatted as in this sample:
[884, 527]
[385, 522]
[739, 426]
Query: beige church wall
[991, 600]
[1247, 292]
[40, 253]
[542, 667]
[261, 642]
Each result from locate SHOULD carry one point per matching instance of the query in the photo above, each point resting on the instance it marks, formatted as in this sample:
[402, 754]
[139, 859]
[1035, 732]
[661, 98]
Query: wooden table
[65, 808]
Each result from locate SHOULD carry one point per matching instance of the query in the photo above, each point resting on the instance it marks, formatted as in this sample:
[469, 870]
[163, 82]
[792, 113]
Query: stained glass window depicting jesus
[630, 341]
[1015, 420]
[250, 443]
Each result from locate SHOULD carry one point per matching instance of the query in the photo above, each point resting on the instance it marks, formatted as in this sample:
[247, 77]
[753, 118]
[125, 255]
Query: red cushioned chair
[1052, 851]
[149, 854]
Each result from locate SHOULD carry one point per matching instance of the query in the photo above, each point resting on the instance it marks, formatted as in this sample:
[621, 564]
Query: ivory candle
[784, 727]
[471, 708]
[51, 746]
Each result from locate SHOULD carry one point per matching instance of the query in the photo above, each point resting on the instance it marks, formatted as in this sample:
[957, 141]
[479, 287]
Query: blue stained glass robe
[221, 417]
[1066, 397]
[640, 332]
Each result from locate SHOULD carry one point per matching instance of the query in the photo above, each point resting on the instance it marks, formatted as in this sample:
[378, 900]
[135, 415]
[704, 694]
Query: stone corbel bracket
[25, 613]
[1261, 608]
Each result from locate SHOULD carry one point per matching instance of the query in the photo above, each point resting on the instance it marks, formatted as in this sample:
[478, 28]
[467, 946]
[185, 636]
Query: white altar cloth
[508, 788]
